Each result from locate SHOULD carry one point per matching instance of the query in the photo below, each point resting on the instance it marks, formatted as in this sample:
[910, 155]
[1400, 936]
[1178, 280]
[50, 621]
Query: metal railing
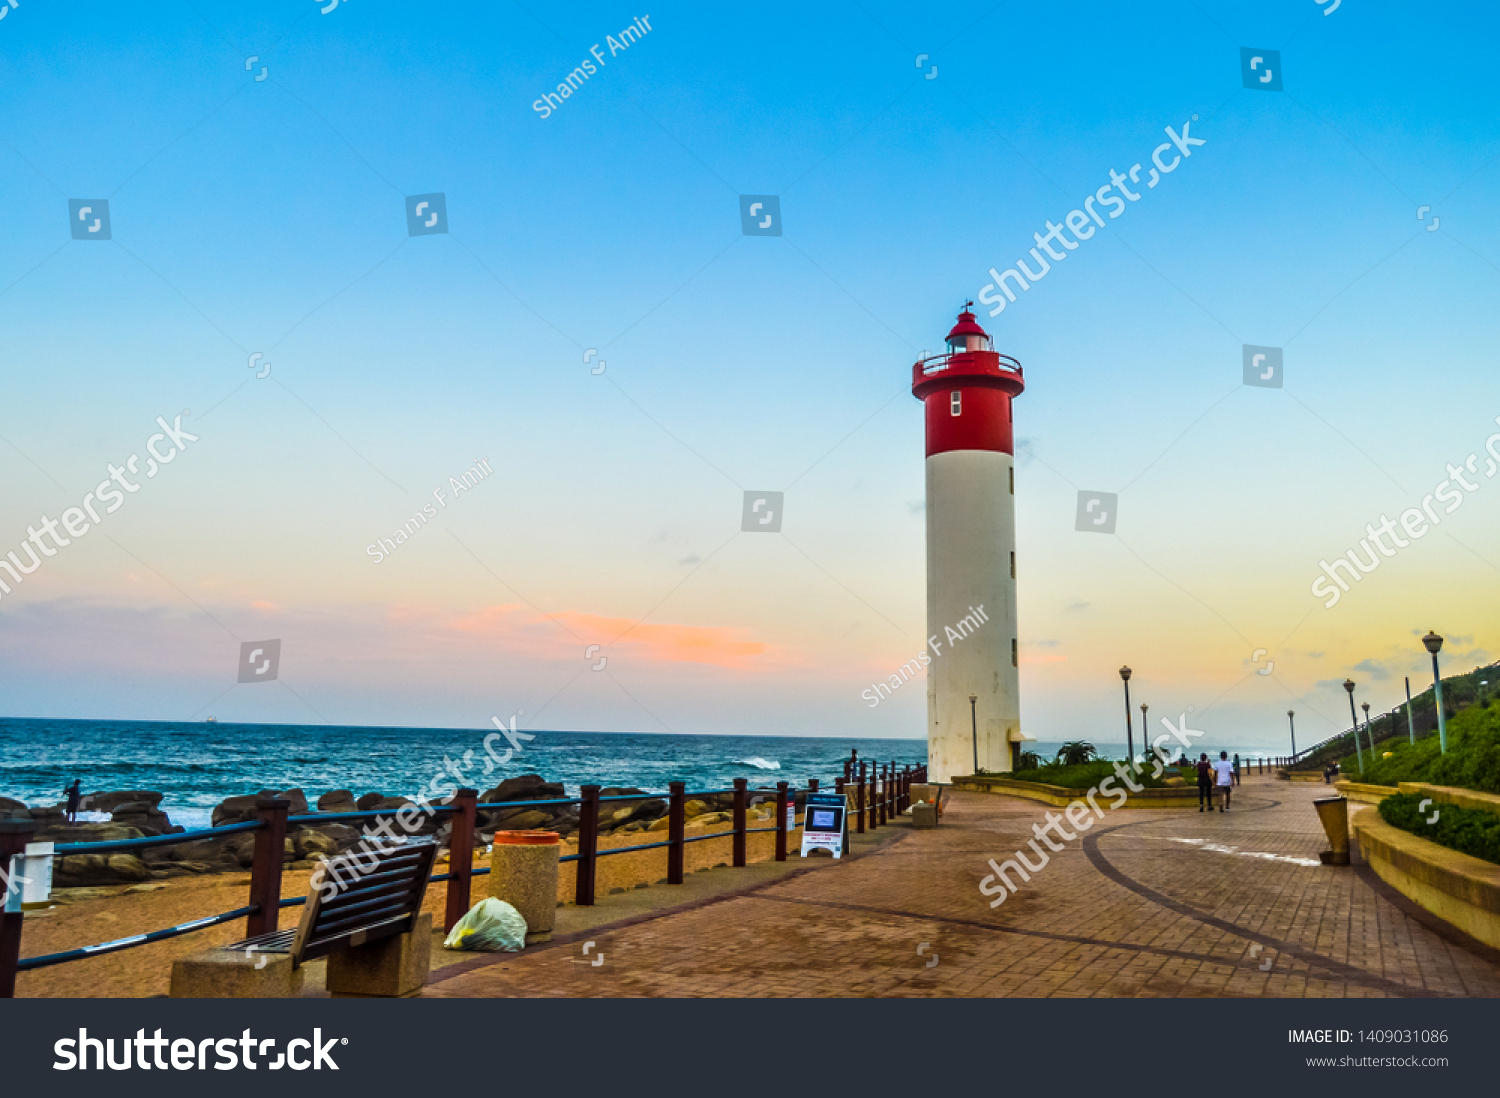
[888, 786]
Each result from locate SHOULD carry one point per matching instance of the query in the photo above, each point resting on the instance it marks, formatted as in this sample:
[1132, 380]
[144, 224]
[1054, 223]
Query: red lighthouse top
[967, 391]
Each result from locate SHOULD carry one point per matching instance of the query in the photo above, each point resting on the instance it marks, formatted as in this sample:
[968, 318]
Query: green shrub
[1467, 830]
[1088, 774]
[1472, 761]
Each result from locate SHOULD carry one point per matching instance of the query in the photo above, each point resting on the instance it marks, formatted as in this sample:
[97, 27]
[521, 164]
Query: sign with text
[823, 823]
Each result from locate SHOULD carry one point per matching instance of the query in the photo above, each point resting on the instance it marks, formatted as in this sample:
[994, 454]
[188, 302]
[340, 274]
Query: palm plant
[1076, 753]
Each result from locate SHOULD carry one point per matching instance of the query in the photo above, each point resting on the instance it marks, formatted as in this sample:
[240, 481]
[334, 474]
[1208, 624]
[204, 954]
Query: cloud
[1374, 668]
[1076, 604]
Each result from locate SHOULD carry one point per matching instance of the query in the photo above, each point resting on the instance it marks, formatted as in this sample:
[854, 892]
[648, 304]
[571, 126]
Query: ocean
[197, 765]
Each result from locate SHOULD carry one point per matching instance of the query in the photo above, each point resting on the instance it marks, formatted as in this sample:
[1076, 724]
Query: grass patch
[1472, 761]
[1088, 774]
[1467, 830]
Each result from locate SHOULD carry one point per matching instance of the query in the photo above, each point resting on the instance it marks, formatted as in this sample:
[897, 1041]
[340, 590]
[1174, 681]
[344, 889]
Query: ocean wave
[759, 763]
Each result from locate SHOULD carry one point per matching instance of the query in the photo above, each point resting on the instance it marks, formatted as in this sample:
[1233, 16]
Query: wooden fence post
[874, 794]
[738, 859]
[265, 868]
[812, 785]
[588, 846]
[460, 855]
[14, 835]
[676, 825]
[859, 801]
[781, 803]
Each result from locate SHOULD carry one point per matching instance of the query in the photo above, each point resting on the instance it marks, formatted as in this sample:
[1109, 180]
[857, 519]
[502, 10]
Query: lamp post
[1144, 707]
[1369, 736]
[1434, 643]
[974, 728]
[1359, 758]
[1129, 736]
[1482, 684]
[1411, 726]
[1291, 716]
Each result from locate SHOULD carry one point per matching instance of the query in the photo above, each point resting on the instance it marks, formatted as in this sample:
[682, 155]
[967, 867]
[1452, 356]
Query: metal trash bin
[1333, 814]
[523, 873]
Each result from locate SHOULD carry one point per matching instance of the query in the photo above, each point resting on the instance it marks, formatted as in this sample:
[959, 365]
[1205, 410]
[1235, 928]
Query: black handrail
[25, 964]
[69, 849]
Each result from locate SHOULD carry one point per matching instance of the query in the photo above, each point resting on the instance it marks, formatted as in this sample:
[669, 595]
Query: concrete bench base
[923, 816]
[391, 968]
[222, 974]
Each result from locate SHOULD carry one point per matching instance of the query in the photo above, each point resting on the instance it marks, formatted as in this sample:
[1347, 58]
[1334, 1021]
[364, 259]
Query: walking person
[1236, 768]
[75, 798]
[1205, 783]
[1225, 771]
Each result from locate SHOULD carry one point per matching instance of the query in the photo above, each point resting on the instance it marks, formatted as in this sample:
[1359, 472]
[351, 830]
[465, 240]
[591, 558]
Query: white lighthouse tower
[973, 685]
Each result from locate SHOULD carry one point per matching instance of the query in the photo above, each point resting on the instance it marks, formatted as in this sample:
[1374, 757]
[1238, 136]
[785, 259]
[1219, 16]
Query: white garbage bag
[490, 926]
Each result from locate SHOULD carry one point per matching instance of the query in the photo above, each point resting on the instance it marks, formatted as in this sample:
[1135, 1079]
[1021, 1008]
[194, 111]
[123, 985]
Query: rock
[207, 850]
[309, 842]
[339, 800]
[13, 810]
[233, 810]
[526, 820]
[145, 816]
[154, 886]
[108, 802]
[524, 787]
[302, 863]
[64, 833]
[660, 825]
[694, 808]
[368, 801]
[86, 870]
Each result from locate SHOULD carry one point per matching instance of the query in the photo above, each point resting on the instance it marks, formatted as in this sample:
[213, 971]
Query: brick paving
[1127, 909]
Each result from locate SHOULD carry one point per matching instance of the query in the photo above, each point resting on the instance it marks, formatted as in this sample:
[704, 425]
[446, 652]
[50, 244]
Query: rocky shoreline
[137, 813]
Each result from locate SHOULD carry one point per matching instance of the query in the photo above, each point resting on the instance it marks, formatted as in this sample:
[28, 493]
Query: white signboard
[823, 823]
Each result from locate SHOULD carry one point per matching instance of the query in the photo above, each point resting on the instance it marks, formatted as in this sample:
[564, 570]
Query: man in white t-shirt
[1224, 769]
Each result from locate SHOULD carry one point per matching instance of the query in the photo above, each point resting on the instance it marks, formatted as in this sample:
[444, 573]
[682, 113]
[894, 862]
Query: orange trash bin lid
[527, 838]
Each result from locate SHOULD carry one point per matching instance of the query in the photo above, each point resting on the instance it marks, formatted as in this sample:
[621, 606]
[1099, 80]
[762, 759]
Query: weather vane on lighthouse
[973, 681]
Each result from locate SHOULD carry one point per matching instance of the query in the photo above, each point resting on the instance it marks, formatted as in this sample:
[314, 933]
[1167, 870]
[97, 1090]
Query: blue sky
[267, 216]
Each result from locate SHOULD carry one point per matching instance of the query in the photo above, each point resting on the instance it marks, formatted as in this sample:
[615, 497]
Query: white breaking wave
[759, 763]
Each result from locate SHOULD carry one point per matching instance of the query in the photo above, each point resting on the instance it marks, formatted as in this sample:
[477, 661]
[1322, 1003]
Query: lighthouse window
[955, 400]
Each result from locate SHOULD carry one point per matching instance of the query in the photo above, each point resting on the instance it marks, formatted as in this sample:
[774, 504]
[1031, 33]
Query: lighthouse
[973, 684]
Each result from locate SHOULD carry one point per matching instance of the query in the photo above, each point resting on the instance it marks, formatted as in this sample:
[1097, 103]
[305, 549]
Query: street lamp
[1129, 736]
[1369, 738]
[974, 726]
[1144, 707]
[1411, 725]
[1359, 758]
[1482, 684]
[1291, 716]
[1434, 643]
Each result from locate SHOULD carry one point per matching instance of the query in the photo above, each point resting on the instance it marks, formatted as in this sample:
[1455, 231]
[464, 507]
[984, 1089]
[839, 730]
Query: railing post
[874, 795]
[859, 800]
[812, 785]
[265, 868]
[14, 835]
[738, 860]
[588, 846]
[676, 825]
[781, 803]
[460, 855]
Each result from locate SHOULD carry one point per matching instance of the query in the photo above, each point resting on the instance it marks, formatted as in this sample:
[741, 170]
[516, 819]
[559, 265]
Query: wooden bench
[363, 912]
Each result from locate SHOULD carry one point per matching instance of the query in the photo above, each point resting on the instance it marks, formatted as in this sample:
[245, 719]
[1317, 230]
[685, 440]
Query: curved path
[1149, 903]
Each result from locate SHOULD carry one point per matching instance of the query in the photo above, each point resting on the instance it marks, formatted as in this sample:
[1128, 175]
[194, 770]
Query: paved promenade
[1150, 902]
